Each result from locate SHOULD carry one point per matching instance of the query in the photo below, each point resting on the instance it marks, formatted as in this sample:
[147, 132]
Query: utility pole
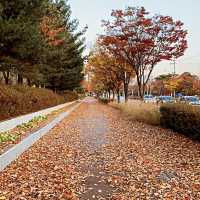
[174, 64]
[174, 72]
[149, 85]
[125, 82]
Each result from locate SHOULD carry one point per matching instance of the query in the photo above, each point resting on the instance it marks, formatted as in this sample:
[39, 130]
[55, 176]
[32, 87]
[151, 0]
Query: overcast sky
[91, 12]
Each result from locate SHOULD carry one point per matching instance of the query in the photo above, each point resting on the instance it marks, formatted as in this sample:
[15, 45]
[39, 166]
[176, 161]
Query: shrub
[15, 101]
[139, 111]
[104, 100]
[182, 118]
[70, 95]
[6, 136]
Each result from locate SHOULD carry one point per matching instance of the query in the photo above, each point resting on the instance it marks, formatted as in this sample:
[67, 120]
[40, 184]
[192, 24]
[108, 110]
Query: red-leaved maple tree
[142, 40]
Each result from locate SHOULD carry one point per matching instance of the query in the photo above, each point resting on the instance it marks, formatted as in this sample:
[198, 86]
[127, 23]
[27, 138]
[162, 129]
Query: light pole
[174, 72]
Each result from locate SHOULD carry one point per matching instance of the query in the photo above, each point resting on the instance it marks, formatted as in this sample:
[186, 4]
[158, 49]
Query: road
[96, 153]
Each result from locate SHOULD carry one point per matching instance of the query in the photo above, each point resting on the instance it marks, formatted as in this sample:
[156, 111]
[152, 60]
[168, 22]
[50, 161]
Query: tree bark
[19, 79]
[29, 82]
[113, 95]
[6, 75]
[140, 90]
[126, 91]
[118, 96]
[109, 94]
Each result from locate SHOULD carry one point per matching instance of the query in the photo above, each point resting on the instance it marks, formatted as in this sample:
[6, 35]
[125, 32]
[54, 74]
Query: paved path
[98, 154]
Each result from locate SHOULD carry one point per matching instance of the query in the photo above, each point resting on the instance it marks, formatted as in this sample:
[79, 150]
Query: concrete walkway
[12, 123]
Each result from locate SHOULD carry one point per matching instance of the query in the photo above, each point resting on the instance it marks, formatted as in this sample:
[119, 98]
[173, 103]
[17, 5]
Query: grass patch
[31, 123]
[139, 111]
[10, 136]
[179, 117]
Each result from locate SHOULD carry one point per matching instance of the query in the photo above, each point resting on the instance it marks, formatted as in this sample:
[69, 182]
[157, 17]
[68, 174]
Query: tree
[104, 77]
[112, 73]
[161, 85]
[63, 61]
[196, 86]
[184, 83]
[133, 36]
[40, 42]
[19, 34]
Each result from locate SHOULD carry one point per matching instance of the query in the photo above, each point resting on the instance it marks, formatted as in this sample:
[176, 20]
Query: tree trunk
[126, 91]
[29, 82]
[142, 83]
[113, 95]
[143, 90]
[118, 96]
[19, 79]
[139, 82]
[109, 94]
[140, 90]
[6, 80]
[6, 75]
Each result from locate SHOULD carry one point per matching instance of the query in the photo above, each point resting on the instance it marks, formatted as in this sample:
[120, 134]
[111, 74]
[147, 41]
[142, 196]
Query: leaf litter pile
[96, 153]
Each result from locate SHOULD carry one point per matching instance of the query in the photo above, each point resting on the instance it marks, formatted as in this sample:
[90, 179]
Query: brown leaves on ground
[22, 131]
[98, 154]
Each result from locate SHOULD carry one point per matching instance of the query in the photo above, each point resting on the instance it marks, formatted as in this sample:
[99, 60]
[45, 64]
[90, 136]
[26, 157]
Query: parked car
[149, 99]
[165, 99]
[192, 100]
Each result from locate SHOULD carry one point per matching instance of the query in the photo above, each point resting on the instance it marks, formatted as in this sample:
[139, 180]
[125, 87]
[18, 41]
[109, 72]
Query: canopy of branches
[143, 40]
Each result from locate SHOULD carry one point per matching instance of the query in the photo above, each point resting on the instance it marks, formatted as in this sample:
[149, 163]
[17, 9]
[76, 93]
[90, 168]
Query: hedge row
[19, 100]
[181, 118]
[70, 95]
[104, 100]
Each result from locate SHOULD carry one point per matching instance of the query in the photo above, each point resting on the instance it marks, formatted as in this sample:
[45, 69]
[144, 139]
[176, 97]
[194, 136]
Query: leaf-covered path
[96, 153]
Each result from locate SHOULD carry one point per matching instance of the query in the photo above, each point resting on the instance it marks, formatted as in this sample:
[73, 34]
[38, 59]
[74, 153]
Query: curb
[12, 123]
[13, 153]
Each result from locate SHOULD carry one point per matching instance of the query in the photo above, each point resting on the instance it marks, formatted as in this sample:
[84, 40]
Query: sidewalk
[96, 153]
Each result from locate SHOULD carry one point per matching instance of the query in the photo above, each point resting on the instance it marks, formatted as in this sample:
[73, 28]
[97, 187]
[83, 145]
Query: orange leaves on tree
[52, 32]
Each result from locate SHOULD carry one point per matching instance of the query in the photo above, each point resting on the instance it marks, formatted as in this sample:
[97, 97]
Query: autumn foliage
[142, 40]
[18, 100]
[185, 83]
[109, 74]
[51, 32]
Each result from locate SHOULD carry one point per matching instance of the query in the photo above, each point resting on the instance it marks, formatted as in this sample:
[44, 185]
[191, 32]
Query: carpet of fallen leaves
[96, 153]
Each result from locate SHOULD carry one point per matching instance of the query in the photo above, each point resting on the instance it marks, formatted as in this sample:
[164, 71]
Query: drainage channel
[13, 153]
